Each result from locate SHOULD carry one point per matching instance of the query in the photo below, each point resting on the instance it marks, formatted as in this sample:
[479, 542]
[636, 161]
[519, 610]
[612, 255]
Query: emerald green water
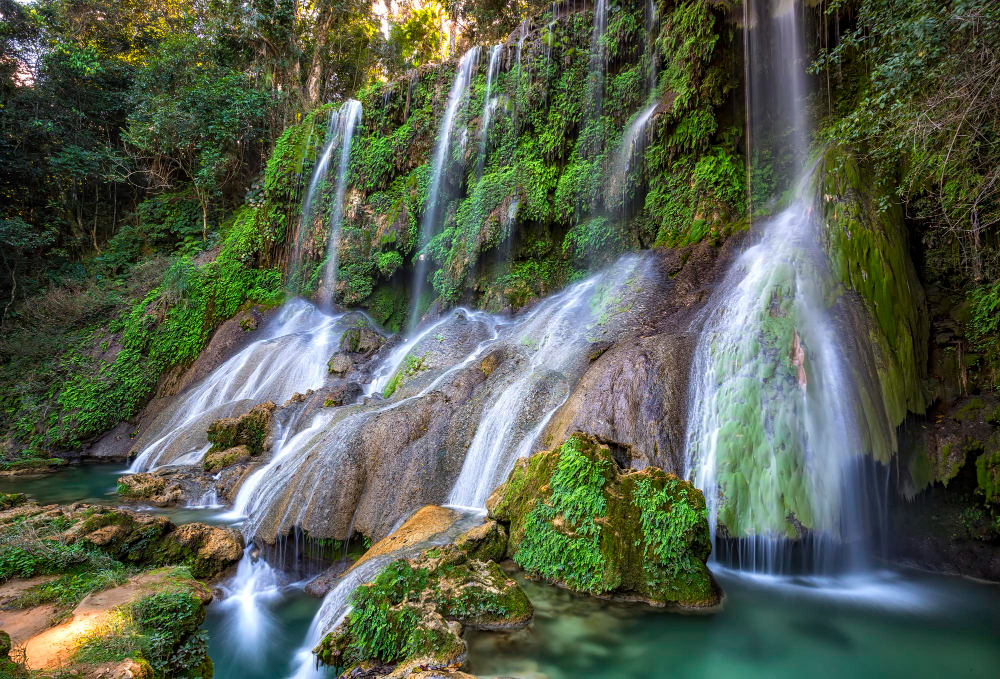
[893, 625]
[880, 625]
[95, 483]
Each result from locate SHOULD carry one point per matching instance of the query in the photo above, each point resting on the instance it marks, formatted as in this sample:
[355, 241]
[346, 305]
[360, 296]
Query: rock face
[251, 429]
[155, 489]
[578, 520]
[413, 614]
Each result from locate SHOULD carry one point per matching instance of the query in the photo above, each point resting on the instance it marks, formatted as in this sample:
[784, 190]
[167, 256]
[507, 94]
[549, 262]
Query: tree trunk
[314, 78]
[204, 221]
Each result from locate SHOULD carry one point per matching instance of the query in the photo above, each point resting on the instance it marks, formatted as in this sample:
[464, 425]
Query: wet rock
[252, 429]
[114, 445]
[128, 536]
[220, 459]
[156, 489]
[576, 519]
[342, 395]
[11, 500]
[340, 364]
[487, 542]
[420, 607]
[363, 341]
[634, 397]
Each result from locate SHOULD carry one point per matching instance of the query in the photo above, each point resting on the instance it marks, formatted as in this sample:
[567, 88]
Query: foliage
[572, 556]
[159, 628]
[69, 589]
[921, 99]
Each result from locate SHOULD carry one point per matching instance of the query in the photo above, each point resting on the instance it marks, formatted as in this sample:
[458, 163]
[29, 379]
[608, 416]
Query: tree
[194, 120]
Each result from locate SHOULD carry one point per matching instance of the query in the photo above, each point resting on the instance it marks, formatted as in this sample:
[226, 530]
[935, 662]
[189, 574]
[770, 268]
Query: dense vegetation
[154, 156]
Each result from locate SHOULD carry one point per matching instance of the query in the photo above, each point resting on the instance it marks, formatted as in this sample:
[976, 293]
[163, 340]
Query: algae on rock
[578, 520]
[413, 614]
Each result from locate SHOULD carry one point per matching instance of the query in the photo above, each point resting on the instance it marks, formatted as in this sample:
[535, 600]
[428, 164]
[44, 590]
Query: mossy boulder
[361, 341]
[251, 429]
[55, 538]
[8, 668]
[220, 459]
[576, 519]
[339, 364]
[988, 475]
[412, 615]
[9, 500]
[487, 542]
[31, 465]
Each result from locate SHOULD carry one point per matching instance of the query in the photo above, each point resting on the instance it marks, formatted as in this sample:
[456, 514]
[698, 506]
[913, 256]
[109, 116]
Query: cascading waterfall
[630, 152]
[290, 358]
[554, 337]
[430, 222]
[773, 439]
[281, 492]
[319, 174]
[348, 117]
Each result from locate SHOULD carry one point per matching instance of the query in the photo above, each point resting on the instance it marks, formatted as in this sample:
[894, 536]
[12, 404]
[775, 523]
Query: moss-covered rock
[412, 615]
[578, 520]
[149, 488]
[8, 668]
[988, 475]
[361, 340]
[31, 465]
[220, 459]
[10, 500]
[251, 429]
[53, 539]
[867, 243]
[487, 542]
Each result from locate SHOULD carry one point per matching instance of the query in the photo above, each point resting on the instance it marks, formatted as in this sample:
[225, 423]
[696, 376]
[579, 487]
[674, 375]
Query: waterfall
[246, 603]
[291, 357]
[348, 118]
[554, 337]
[773, 438]
[598, 59]
[281, 494]
[630, 152]
[430, 223]
[318, 175]
[489, 104]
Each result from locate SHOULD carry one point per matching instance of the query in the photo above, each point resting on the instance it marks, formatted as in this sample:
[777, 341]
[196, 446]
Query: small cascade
[348, 118]
[335, 607]
[554, 338]
[489, 105]
[598, 59]
[630, 153]
[290, 358]
[246, 604]
[652, 57]
[430, 223]
[283, 493]
[320, 171]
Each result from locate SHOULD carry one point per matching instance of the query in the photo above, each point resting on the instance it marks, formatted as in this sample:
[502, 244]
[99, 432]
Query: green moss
[412, 366]
[988, 475]
[11, 500]
[576, 519]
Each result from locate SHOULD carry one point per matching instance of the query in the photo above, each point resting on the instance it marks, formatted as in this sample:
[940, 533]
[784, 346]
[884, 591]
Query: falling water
[630, 152]
[773, 439]
[247, 599]
[318, 175]
[598, 59]
[489, 104]
[554, 337]
[432, 206]
[290, 358]
[348, 117]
